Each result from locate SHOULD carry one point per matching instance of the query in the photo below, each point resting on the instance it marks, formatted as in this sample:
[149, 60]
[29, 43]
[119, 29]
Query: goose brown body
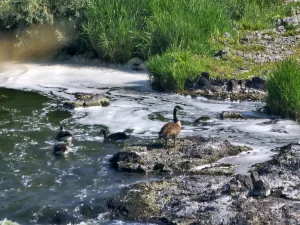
[171, 129]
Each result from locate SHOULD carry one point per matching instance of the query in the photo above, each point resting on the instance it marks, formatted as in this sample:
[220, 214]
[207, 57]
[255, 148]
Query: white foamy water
[135, 107]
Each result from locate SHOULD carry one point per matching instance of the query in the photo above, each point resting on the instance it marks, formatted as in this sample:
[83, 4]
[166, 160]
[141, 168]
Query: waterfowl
[115, 136]
[64, 135]
[60, 149]
[171, 129]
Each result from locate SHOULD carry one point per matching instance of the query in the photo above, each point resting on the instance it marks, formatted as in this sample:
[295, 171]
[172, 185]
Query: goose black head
[61, 128]
[178, 107]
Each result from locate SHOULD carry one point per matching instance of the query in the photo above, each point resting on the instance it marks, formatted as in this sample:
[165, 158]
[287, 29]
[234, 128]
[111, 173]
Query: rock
[130, 161]
[231, 115]
[223, 53]
[256, 83]
[202, 119]
[188, 153]
[224, 89]
[91, 211]
[282, 172]
[216, 199]
[87, 100]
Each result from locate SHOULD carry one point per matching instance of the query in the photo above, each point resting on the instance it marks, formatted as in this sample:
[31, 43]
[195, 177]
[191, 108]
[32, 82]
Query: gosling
[115, 136]
[60, 149]
[171, 129]
[64, 135]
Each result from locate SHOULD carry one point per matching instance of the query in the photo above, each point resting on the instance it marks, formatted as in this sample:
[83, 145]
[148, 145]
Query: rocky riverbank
[227, 89]
[270, 195]
[188, 153]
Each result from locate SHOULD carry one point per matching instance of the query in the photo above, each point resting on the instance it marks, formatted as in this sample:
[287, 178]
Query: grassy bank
[283, 89]
[177, 38]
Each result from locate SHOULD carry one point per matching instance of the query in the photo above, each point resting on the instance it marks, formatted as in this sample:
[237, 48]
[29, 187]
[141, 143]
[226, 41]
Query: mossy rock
[87, 100]
[231, 115]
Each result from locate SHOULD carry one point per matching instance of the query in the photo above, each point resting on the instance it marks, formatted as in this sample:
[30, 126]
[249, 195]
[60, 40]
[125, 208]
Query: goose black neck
[175, 116]
[104, 133]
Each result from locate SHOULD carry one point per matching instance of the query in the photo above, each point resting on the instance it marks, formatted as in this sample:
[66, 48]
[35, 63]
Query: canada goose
[64, 135]
[60, 149]
[171, 129]
[115, 136]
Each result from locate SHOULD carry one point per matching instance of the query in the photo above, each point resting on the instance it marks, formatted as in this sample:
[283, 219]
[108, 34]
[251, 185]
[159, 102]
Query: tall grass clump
[254, 14]
[187, 25]
[283, 90]
[117, 28]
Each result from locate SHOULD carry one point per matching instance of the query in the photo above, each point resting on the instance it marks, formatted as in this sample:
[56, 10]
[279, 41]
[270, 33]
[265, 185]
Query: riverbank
[269, 195]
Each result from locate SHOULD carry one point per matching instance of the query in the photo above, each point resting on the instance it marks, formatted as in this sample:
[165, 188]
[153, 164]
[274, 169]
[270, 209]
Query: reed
[283, 90]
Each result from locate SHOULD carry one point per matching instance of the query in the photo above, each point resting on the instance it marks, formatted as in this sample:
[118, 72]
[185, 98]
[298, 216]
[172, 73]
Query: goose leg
[174, 140]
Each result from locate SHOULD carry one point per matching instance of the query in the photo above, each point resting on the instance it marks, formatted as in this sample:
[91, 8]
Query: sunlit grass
[283, 89]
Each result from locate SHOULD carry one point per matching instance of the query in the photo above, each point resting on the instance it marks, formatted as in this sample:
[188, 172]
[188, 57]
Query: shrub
[283, 90]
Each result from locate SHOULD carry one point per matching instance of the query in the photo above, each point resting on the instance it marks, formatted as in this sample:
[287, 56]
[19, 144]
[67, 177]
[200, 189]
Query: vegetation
[177, 38]
[283, 89]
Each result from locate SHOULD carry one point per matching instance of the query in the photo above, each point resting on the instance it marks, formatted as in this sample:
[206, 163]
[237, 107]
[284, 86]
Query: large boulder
[188, 153]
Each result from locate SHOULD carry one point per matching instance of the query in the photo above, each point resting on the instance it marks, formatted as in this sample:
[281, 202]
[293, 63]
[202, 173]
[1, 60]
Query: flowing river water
[36, 187]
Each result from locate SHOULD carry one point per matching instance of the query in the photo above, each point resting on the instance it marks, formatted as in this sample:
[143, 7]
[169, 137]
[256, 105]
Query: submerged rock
[203, 119]
[87, 100]
[189, 152]
[231, 115]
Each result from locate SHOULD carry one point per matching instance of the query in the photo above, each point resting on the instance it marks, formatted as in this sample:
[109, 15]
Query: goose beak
[179, 107]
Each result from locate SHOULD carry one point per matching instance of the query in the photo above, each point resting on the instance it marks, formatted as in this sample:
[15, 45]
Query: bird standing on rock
[171, 129]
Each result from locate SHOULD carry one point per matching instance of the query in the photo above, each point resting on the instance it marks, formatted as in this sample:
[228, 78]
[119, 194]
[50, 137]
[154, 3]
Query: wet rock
[231, 115]
[224, 89]
[199, 200]
[256, 83]
[87, 100]
[282, 172]
[91, 211]
[268, 196]
[216, 170]
[188, 153]
[131, 161]
[202, 119]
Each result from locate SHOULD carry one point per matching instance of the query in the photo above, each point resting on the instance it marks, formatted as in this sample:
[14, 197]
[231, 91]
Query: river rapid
[36, 187]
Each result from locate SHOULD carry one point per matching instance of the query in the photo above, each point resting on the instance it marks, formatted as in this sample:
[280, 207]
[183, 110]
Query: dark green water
[36, 186]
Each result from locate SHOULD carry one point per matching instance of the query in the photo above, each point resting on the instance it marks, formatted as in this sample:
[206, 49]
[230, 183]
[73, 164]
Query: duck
[64, 135]
[115, 136]
[60, 149]
[171, 129]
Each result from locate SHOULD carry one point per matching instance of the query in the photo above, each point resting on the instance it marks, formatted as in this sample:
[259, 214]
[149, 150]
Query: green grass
[255, 14]
[120, 30]
[283, 89]
[177, 38]
[172, 70]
